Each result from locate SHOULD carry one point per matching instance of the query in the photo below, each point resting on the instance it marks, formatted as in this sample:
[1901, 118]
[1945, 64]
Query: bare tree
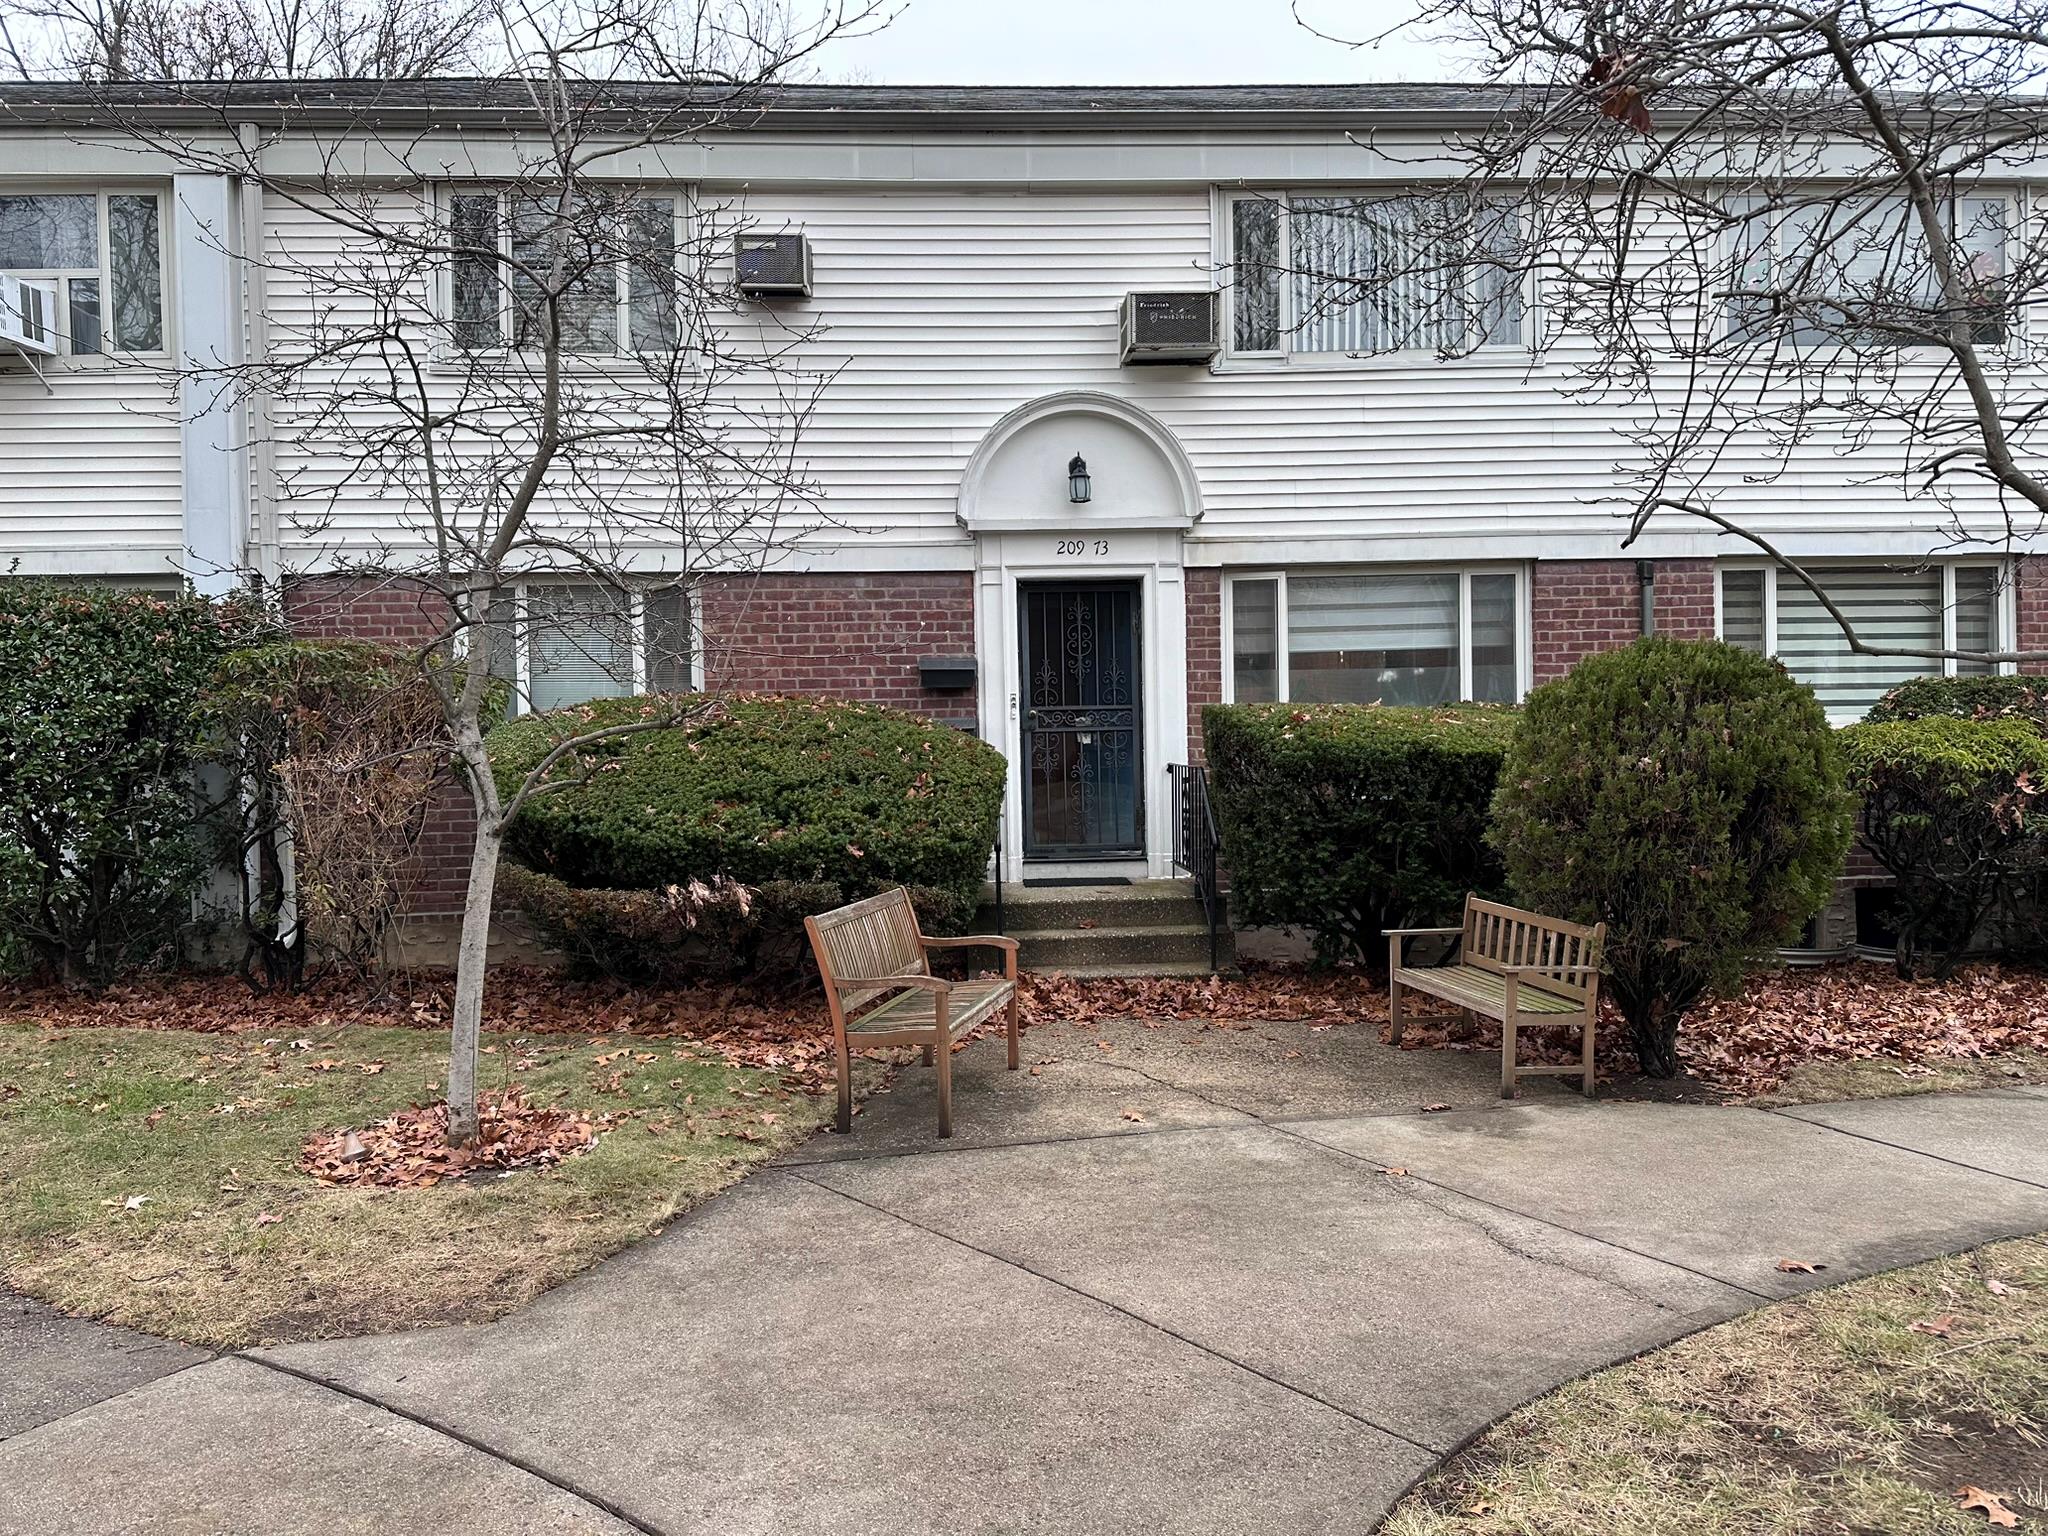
[112, 40]
[486, 364]
[1767, 236]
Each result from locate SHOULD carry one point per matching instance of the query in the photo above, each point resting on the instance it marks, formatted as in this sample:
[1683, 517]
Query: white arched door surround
[1014, 499]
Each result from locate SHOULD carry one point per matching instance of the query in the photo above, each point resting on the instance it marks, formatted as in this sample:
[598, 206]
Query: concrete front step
[1112, 946]
[1141, 904]
[1167, 969]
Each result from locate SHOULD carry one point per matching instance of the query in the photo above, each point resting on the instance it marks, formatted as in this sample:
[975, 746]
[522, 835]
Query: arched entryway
[1081, 627]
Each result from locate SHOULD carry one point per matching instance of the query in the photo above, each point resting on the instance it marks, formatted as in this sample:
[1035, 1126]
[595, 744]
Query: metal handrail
[1196, 842]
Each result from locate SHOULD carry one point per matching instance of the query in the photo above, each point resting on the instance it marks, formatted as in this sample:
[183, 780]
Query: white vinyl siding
[1374, 637]
[1949, 606]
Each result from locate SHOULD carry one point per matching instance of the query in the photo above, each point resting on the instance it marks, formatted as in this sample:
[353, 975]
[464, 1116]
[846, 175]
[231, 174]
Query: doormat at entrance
[1081, 880]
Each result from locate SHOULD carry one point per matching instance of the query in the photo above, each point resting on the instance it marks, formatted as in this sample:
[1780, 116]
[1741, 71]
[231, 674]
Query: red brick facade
[1578, 608]
[843, 637]
[1205, 649]
[2030, 608]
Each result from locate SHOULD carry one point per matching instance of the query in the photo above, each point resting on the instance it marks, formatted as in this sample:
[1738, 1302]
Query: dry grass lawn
[1833, 1415]
[1822, 1082]
[148, 1176]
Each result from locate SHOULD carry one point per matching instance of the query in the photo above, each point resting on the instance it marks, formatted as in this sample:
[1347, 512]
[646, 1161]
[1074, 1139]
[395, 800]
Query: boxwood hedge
[811, 802]
[1343, 819]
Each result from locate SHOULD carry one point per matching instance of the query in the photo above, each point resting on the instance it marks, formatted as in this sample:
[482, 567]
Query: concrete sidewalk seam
[1137, 1317]
[116, 1397]
[940, 1149]
[1787, 1113]
[1541, 1221]
[440, 1427]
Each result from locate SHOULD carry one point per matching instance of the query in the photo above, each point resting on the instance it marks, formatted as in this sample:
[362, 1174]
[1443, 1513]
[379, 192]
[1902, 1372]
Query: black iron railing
[1195, 842]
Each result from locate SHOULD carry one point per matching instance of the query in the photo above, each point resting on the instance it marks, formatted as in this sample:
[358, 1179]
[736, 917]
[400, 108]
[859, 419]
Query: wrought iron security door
[1081, 721]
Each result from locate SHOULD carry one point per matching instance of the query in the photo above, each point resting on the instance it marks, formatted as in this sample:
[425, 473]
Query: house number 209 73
[1074, 549]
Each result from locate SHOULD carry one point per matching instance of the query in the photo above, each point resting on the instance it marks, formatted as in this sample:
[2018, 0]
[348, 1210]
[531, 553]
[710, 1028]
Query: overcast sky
[1135, 42]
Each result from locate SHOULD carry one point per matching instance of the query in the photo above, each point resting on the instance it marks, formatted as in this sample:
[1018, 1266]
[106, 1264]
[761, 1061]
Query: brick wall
[1578, 608]
[2030, 608]
[1205, 649]
[364, 608]
[844, 637]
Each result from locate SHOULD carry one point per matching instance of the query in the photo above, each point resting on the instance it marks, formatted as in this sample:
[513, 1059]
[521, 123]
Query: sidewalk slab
[1726, 1192]
[233, 1449]
[2002, 1132]
[1417, 1309]
[787, 1359]
[51, 1365]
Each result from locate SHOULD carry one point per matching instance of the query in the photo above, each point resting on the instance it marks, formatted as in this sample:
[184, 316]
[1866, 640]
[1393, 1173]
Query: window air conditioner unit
[1171, 327]
[28, 317]
[772, 266]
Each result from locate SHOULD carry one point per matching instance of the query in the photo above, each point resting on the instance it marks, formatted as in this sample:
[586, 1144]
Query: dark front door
[1081, 721]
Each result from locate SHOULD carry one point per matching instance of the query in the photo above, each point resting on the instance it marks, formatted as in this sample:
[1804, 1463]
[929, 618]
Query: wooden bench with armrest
[1524, 969]
[873, 953]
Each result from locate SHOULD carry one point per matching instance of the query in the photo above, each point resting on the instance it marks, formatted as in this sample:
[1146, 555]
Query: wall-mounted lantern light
[1077, 479]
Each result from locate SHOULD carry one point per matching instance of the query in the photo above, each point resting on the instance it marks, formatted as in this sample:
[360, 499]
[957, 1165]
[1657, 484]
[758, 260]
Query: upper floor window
[1858, 272]
[1932, 607]
[563, 642]
[617, 278]
[1347, 275]
[1375, 637]
[101, 253]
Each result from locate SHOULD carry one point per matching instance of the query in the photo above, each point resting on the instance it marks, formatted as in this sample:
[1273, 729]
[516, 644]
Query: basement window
[567, 642]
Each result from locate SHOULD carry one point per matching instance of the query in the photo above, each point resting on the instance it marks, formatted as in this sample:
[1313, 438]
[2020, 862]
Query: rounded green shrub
[1344, 819]
[813, 803]
[1689, 795]
[1953, 809]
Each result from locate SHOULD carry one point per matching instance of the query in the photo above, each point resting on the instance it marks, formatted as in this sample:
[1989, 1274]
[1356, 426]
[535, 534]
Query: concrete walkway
[1169, 1283]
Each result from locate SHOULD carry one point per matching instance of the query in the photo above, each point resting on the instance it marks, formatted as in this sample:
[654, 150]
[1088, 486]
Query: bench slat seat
[872, 953]
[1522, 968]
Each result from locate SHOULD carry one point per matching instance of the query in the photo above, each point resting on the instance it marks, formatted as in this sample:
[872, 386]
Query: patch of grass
[1831, 1413]
[139, 1170]
[1821, 1082]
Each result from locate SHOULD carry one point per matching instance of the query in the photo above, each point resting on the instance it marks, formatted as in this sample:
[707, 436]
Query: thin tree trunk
[471, 961]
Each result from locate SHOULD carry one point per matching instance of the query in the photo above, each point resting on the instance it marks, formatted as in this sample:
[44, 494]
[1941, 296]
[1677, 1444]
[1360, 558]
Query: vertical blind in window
[1255, 640]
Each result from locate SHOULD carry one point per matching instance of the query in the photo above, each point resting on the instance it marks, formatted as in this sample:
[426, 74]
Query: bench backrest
[1498, 936]
[875, 937]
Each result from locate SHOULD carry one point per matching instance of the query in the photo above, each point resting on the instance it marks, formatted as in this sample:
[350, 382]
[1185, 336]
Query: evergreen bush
[1689, 795]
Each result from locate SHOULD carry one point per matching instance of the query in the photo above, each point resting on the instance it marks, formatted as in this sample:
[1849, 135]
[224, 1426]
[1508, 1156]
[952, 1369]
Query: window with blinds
[1420, 637]
[1363, 275]
[563, 642]
[1918, 608]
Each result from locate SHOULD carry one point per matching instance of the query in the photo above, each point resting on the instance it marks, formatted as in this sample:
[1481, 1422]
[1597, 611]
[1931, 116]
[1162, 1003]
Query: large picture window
[101, 253]
[618, 290]
[1949, 606]
[1374, 637]
[567, 642]
[1348, 275]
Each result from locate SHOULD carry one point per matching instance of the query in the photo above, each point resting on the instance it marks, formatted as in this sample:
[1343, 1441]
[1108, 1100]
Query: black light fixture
[1077, 478]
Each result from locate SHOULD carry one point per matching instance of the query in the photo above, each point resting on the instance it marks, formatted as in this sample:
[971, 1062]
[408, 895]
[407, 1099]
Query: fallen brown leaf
[1937, 1327]
[1799, 1267]
[1993, 1505]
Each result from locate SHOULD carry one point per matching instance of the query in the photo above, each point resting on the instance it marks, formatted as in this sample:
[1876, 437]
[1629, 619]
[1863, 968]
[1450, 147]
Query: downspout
[1646, 580]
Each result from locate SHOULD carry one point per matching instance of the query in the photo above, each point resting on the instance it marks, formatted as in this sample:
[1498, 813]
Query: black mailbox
[946, 674]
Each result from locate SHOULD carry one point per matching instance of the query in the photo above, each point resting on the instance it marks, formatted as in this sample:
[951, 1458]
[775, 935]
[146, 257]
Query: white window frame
[2004, 617]
[108, 354]
[1224, 237]
[622, 291]
[520, 592]
[1282, 681]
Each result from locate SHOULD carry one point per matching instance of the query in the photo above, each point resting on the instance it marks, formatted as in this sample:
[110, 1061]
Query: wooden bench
[872, 953]
[1521, 968]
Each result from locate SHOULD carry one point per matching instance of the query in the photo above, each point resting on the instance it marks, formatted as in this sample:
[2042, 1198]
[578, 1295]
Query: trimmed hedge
[1952, 808]
[1966, 698]
[1345, 819]
[1689, 795]
[805, 803]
